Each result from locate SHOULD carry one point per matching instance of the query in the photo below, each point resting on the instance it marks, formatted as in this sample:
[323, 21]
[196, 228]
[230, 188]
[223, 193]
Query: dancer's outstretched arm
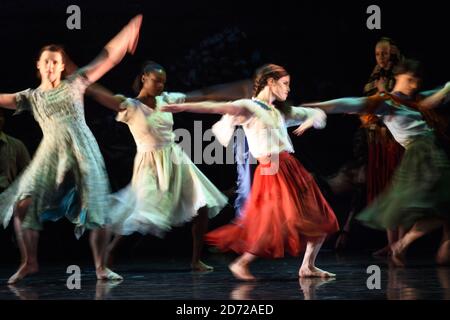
[436, 99]
[208, 107]
[241, 108]
[105, 97]
[222, 92]
[343, 105]
[8, 100]
[114, 51]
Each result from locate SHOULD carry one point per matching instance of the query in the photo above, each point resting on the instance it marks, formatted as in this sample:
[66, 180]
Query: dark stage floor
[277, 279]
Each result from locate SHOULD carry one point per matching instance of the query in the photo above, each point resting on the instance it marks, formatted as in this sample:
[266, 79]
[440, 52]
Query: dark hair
[409, 66]
[264, 73]
[53, 48]
[147, 67]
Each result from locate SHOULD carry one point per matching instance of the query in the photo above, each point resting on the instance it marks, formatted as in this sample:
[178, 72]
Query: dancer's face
[50, 65]
[280, 88]
[407, 83]
[382, 54]
[153, 82]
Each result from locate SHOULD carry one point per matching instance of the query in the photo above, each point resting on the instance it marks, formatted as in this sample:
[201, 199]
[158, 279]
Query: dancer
[285, 210]
[68, 153]
[381, 153]
[166, 189]
[418, 196]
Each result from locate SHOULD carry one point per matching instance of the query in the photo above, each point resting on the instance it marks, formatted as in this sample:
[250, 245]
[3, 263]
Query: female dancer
[166, 189]
[418, 196]
[68, 153]
[380, 152]
[285, 210]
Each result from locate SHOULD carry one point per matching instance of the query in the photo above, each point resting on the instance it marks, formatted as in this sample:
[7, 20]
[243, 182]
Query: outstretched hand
[303, 127]
[447, 86]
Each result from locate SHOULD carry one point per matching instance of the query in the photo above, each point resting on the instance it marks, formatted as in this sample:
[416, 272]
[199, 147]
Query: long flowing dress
[167, 189]
[67, 158]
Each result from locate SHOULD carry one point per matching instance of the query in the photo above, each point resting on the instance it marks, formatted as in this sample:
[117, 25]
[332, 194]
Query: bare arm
[436, 99]
[243, 108]
[207, 107]
[343, 105]
[8, 100]
[222, 92]
[105, 97]
[114, 51]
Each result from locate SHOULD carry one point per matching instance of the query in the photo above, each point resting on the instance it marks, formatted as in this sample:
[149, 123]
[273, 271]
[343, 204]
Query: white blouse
[263, 139]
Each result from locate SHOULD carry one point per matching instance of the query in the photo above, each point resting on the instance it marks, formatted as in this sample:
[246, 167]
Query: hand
[447, 87]
[133, 27]
[303, 127]
[120, 97]
[173, 108]
[381, 84]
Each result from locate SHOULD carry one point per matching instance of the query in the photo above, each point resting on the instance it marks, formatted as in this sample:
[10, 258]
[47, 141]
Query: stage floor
[277, 280]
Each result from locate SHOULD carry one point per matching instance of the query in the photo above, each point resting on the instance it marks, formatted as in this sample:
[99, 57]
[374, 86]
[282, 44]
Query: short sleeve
[241, 118]
[127, 109]
[225, 127]
[173, 97]
[23, 102]
[79, 81]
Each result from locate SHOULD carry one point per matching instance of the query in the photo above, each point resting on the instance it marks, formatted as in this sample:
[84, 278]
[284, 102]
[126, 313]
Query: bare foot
[443, 254]
[383, 252]
[398, 255]
[314, 272]
[107, 274]
[23, 271]
[241, 272]
[201, 267]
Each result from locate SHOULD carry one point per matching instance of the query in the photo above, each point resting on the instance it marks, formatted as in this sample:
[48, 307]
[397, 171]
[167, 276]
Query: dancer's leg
[199, 228]
[308, 267]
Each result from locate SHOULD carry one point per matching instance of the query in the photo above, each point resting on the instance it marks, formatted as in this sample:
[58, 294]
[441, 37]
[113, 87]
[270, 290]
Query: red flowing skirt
[283, 210]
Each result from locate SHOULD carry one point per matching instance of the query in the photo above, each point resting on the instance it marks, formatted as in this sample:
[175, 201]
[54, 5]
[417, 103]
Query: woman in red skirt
[285, 211]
